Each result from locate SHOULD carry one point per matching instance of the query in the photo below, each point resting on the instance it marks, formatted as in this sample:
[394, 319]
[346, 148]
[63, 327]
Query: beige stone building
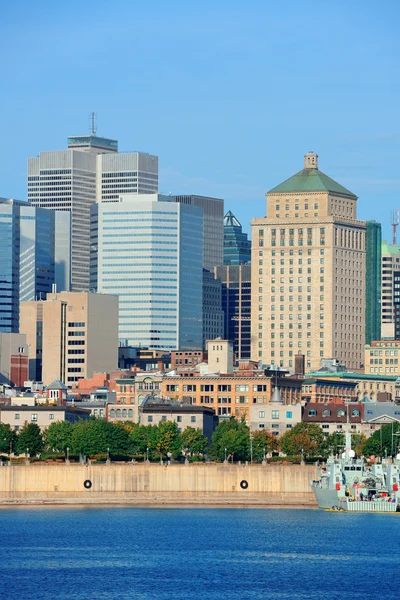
[43, 416]
[382, 357]
[71, 335]
[220, 356]
[308, 273]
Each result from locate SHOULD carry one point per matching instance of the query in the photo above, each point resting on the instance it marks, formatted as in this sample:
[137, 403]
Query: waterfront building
[308, 267]
[373, 243]
[89, 171]
[369, 385]
[32, 257]
[148, 251]
[153, 412]
[237, 247]
[230, 395]
[236, 305]
[332, 416]
[390, 255]
[274, 417]
[43, 416]
[71, 335]
[382, 356]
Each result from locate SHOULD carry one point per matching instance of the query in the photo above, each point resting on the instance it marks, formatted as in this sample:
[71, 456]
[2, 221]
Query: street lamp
[263, 461]
[108, 456]
[225, 456]
[147, 454]
[27, 456]
[251, 450]
[67, 461]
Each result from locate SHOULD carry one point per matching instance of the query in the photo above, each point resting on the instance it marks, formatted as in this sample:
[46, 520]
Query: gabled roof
[310, 180]
[57, 385]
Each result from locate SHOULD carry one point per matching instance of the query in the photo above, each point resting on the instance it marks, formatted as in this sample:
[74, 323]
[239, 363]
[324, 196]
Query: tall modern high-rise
[390, 256]
[236, 304]
[213, 227]
[237, 247]
[72, 180]
[31, 257]
[373, 242]
[148, 251]
[308, 273]
[213, 315]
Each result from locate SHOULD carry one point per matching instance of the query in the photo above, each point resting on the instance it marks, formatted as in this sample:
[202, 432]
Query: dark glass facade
[373, 282]
[237, 248]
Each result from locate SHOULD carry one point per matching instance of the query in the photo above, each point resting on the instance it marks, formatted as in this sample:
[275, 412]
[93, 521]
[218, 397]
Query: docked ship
[353, 484]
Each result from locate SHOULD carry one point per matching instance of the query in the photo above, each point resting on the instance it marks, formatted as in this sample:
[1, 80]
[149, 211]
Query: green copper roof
[390, 248]
[310, 180]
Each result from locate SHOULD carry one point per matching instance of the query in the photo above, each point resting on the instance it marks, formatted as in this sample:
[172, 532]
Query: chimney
[299, 364]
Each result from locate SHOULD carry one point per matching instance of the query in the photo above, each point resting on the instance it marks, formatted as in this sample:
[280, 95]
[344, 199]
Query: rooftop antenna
[93, 123]
[395, 220]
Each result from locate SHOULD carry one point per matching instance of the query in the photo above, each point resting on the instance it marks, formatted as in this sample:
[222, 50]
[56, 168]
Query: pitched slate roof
[310, 180]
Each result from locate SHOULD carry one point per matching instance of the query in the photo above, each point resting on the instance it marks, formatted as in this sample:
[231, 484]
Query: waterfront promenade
[148, 484]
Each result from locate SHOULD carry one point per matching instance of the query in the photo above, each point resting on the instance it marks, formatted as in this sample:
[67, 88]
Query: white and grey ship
[355, 485]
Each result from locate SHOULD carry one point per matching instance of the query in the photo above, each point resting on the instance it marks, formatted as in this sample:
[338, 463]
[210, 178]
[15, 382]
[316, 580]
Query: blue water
[185, 554]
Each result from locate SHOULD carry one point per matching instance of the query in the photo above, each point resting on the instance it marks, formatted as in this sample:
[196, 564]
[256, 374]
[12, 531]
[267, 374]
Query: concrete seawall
[153, 484]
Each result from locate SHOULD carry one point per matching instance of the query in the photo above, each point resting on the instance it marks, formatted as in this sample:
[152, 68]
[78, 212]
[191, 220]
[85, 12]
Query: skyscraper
[148, 250]
[213, 227]
[390, 266]
[237, 247]
[308, 273]
[31, 259]
[373, 242]
[72, 180]
[236, 304]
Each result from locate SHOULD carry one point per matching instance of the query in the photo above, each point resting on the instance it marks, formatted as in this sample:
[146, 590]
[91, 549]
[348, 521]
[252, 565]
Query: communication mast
[92, 118]
[395, 220]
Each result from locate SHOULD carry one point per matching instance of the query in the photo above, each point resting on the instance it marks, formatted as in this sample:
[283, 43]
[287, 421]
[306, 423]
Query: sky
[229, 95]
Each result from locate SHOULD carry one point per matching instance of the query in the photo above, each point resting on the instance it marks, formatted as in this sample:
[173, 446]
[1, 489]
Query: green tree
[95, 436]
[167, 439]
[263, 443]
[234, 436]
[7, 438]
[383, 441]
[304, 437]
[142, 437]
[335, 443]
[30, 437]
[58, 436]
[193, 441]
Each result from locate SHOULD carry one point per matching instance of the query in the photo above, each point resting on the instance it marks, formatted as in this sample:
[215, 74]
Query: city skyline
[249, 104]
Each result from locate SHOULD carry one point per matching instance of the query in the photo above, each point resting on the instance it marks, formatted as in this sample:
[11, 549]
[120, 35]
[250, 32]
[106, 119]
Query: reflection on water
[150, 554]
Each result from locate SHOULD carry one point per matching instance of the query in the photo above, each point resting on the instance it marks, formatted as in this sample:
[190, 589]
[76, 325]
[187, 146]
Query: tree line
[231, 441]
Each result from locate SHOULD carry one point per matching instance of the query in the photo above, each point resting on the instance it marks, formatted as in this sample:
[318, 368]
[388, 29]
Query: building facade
[382, 357]
[213, 315]
[149, 253]
[71, 335]
[72, 180]
[373, 241]
[236, 305]
[32, 257]
[390, 256]
[43, 416]
[237, 247]
[213, 227]
[308, 267]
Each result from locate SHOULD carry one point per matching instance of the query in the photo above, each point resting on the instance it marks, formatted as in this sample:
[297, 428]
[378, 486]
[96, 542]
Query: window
[130, 413]
[326, 412]
[150, 419]
[112, 413]
[275, 414]
[355, 412]
[341, 412]
[289, 415]
[51, 416]
[261, 414]
[193, 419]
[312, 412]
[164, 418]
[179, 419]
[34, 417]
[16, 416]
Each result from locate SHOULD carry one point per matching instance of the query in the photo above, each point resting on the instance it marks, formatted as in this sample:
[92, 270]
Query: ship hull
[325, 498]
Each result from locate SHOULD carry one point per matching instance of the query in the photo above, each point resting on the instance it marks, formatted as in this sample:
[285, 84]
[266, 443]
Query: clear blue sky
[229, 95]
